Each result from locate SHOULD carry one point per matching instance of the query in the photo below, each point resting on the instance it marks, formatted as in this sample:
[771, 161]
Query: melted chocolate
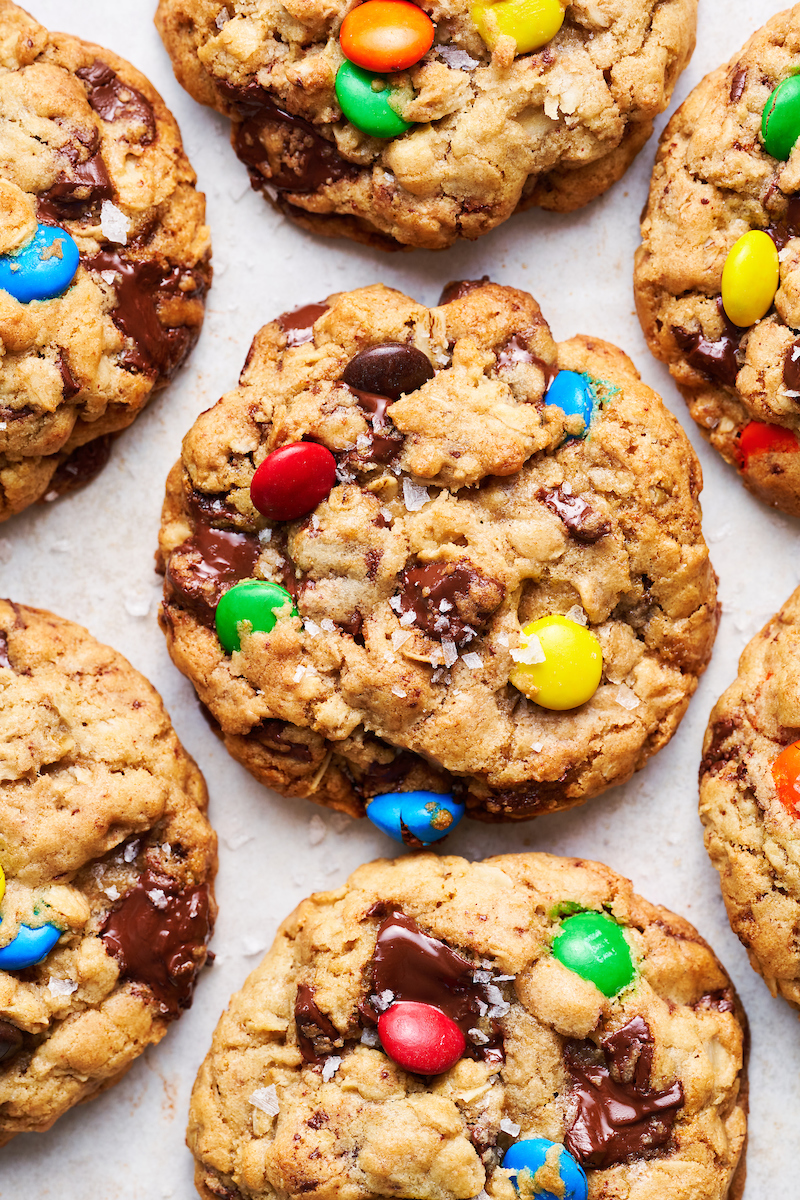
[721, 1001]
[114, 100]
[157, 933]
[379, 777]
[303, 161]
[458, 288]
[619, 1116]
[274, 732]
[715, 757]
[716, 360]
[354, 626]
[385, 442]
[411, 965]
[69, 385]
[206, 507]
[5, 661]
[10, 1040]
[517, 352]
[390, 369]
[449, 600]
[791, 367]
[788, 226]
[72, 197]
[157, 350]
[299, 325]
[82, 466]
[313, 1026]
[583, 522]
[202, 568]
[737, 85]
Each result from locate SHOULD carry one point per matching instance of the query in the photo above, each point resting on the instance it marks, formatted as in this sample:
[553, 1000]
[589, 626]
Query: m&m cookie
[717, 274]
[106, 869]
[104, 256]
[426, 563]
[750, 799]
[414, 124]
[421, 1032]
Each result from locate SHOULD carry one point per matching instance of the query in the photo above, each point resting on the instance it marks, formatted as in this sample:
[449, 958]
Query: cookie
[371, 122]
[748, 798]
[106, 868]
[717, 274]
[463, 589]
[595, 1037]
[104, 256]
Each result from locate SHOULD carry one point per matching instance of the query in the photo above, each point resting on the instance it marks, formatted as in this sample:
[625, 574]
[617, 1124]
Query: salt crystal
[445, 606]
[314, 522]
[344, 476]
[166, 850]
[112, 892]
[266, 1100]
[396, 604]
[114, 224]
[509, 1127]
[530, 651]
[137, 605]
[399, 637]
[504, 978]
[265, 535]
[566, 488]
[408, 618]
[299, 673]
[449, 651]
[131, 850]
[398, 691]
[536, 747]
[386, 513]
[383, 1000]
[158, 897]
[311, 627]
[109, 277]
[473, 661]
[457, 59]
[363, 442]
[414, 497]
[627, 698]
[479, 1039]
[317, 830]
[327, 624]
[369, 1037]
[222, 18]
[577, 615]
[332, 1065]
[482, 976]
[61, 987]
[502, 639]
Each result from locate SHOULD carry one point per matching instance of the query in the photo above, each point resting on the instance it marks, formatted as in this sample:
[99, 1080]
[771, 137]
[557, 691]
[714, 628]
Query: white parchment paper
[90, 558]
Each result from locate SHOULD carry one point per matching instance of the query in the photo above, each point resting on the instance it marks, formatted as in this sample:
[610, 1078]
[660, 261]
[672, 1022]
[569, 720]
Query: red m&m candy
[759, 438]
[386, 35]
[420, 1038]
[293, 480]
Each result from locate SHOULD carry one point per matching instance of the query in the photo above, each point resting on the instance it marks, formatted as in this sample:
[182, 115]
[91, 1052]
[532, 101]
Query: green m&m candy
[593, 945]
[780, 120]
[256, 603]
[367, 106]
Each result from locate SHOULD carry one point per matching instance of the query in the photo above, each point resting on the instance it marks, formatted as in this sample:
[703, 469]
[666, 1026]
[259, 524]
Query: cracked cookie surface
[492, 133]
[89, 146]
[713, 182]
[461, 512]
[297, 1096]
[750, 835]
[103, 836]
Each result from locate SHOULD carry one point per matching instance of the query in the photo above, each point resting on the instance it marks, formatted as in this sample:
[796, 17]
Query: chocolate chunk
[75, 195]
[737, 84]
[788, 226]
[82, 466]
[411, 965]
[458, 288]
[715, 757]
[157, 350]
[721, 1001]
[385, 442]
[354, 626]
[450, 600]
[206, 507]
[316, 1034]
[299, 325]
[114, 100]
[619, 1116]
[517, 352]
[791, 367]
[10, 1040]
[157, 932]
[274, 732]
[5, 661]
[202, 568]
[69, 385]
[390, 369]
[716, 360]
[584, 523]
[380, 777]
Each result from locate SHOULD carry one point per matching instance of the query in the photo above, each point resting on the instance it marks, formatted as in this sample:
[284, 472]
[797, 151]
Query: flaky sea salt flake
[577, 615]
[299, 673]
[266, 1100]
[332, 1065]
[400, 637]
[509, 1127]
[158, 897]
[472, 660]
[61, 987]
[114, 224]
[398, 691]
[530, 651]
[627, 698]
[414, 496]
[449, 651]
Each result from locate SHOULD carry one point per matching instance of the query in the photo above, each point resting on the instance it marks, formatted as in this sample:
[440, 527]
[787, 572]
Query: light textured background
[90, 558]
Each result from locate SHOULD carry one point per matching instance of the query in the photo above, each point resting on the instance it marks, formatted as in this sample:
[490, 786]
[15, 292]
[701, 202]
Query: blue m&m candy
[429, 816]
[41, 269]
[29, 947]
[567, 1177]
[573, 394]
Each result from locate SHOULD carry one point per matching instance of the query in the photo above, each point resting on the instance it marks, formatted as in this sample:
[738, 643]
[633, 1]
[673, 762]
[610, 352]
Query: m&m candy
[41, 269]
[386, 35]
[293, 480]
[531, 23]
[29, 946]
[750, 278]
[559, 663]
[428, 816]
[537, 1159]
[420, 1037]
[365, 100]
[594, 946]
[780, 120]
[760, 438]
[573, 394]
[254, 605]
[786, 776]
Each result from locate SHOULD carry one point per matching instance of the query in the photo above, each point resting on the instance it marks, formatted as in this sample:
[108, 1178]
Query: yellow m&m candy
[531, 23]
[750, 278]
[558, 664]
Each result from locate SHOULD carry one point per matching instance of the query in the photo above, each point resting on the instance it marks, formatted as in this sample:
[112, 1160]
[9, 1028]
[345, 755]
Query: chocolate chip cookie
[106, 868]
[480, 119]
[749, 797]
[590, 1030]
[717, 278]
[482, 572]
[104, 256]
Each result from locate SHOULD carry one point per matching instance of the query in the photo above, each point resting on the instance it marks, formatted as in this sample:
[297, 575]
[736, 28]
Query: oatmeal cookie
[724, 190]
[106, 868]
[748, 799]
[454, 143]
[637, 1081]
[458, 551]
[107, 300]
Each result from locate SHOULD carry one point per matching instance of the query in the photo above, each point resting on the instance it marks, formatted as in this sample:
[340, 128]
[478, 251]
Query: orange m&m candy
[386, 35]
[786, 773]
[759, 438]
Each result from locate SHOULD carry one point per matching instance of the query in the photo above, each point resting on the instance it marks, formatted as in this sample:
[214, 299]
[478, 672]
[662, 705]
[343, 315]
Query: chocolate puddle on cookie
[715, 359]
[114, 100]
[299, 325]
[202, 568]
[449, 600]
[76, 198]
